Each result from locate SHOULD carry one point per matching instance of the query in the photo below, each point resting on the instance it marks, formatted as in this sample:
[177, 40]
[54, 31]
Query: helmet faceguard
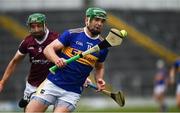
[36, 18]
[40, 19]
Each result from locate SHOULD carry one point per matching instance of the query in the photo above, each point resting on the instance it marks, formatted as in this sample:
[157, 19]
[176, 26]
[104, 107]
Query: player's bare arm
[99, 73]
[50, 53]
[172, 75]
[10, 69]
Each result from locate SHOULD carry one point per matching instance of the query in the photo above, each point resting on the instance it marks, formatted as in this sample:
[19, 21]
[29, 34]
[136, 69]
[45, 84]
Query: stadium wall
[19, 5]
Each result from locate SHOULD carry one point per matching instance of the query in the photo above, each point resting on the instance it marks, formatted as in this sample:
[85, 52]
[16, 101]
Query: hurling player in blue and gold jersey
[65, 87]
[175, 71]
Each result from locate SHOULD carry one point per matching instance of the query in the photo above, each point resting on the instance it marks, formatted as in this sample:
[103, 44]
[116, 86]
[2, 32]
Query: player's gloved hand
[100, 84]
[88, 81]
[60, 62]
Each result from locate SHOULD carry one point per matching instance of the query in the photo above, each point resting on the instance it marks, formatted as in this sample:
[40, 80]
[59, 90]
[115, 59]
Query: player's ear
[86, 21]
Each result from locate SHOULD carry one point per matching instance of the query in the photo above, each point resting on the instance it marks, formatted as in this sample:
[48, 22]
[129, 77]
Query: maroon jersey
[39, 64]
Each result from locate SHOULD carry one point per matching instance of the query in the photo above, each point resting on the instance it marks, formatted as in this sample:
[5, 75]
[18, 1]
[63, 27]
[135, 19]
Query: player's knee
[30, 108]
[23, 103]
[178, 104]
[64, 106]
[27, 110]
[178, 101]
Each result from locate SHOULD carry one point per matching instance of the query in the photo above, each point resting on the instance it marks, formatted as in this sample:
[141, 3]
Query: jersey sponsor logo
[87, 60]
[79, 43]
[37, 61]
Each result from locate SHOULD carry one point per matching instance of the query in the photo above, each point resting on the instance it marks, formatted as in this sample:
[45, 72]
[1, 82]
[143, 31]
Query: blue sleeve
[103, 55]
[65, 38]
[176, 64]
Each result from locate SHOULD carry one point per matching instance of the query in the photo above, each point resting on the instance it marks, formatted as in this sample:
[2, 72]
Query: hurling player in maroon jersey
[33, 45]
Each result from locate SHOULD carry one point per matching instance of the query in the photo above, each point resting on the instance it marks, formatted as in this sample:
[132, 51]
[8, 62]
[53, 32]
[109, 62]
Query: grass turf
[126, 109]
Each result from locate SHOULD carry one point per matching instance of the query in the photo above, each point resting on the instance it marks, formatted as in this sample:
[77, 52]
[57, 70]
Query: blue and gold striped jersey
[176, 65]
[73, 75]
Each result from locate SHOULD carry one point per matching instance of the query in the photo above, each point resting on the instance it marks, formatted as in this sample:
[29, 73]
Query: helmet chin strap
[87, 24]
[45, 28]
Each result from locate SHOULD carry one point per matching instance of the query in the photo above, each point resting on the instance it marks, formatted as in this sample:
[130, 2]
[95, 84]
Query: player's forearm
[172, 73]
[11, 66]
[99, 74]
[98, 78]
[8, 72]
[50, 54]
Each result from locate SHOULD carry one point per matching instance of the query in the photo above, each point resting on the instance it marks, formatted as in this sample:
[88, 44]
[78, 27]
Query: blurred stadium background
[153, 33]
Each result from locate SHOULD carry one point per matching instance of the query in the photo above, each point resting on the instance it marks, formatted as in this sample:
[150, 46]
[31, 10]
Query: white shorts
[178, 89]
[53, 94]
[29, 91]
[158, 89]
